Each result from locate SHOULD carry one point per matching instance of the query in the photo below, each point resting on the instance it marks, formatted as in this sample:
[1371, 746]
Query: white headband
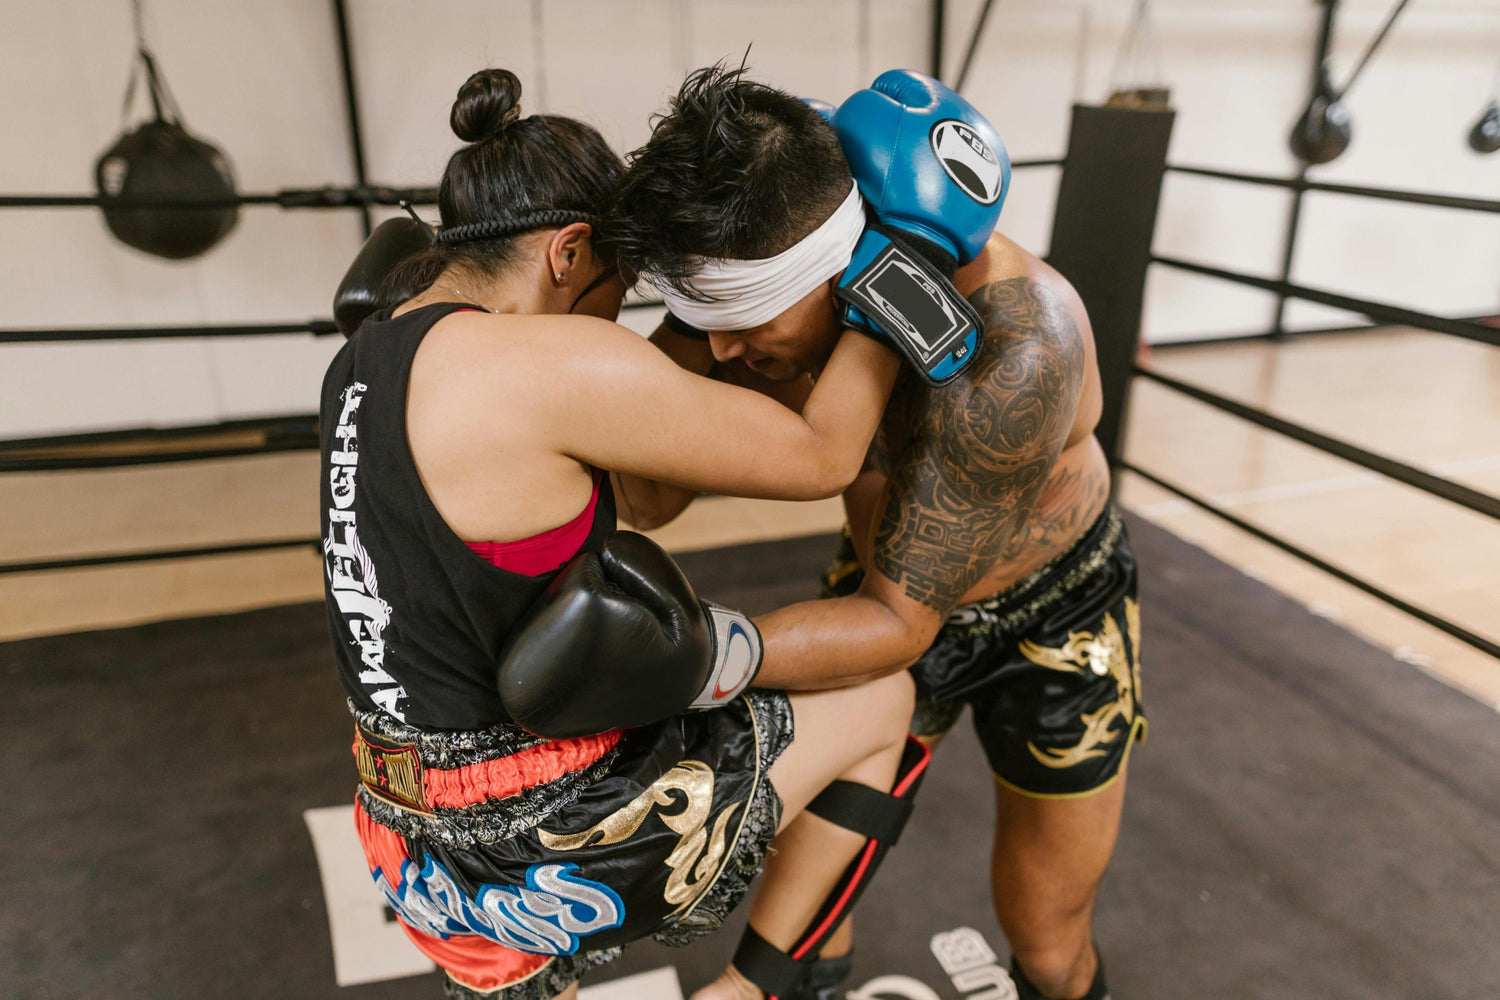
[747, 293]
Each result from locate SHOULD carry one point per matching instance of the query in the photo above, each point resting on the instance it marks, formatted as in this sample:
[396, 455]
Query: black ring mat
[1310, 817]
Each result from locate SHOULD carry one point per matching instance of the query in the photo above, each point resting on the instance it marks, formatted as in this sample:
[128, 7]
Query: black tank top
[418, 619]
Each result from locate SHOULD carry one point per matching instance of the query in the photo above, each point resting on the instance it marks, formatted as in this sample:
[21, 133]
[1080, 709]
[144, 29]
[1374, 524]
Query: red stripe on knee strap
[915, 758]
[822, 930]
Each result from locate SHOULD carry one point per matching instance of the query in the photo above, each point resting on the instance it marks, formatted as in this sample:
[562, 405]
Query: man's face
[796, 343]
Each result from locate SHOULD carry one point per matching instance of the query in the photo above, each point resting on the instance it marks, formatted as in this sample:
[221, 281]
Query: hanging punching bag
[1484, 137]
[1322, 133]
[159, 161]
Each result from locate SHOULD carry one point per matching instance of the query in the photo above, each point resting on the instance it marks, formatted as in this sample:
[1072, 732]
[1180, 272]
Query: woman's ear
[569, 249]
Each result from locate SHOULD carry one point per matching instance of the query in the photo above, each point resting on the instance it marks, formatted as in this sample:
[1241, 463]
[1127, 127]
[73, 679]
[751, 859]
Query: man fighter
[981, 549]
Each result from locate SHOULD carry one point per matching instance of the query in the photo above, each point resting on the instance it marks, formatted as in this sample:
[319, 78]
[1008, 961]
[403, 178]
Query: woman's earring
[559, 276]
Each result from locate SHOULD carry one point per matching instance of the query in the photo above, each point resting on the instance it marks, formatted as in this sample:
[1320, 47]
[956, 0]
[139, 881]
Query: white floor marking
[658, 984]
[367, 946]
[893, 988]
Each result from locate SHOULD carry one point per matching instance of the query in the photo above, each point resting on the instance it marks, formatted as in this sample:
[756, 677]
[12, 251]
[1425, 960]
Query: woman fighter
[465, 438]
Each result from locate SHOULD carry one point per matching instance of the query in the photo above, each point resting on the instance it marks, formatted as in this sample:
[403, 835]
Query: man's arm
[978, 459]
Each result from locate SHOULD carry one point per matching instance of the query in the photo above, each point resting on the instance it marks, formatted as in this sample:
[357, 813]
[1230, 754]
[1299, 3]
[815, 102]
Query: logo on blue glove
[967, 160]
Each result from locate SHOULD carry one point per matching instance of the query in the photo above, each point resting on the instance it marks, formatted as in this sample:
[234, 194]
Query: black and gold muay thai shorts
[1050, 667]
[517, 864]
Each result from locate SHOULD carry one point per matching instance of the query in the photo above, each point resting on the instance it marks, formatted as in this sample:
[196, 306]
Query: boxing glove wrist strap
[892, 292]
[737, 654]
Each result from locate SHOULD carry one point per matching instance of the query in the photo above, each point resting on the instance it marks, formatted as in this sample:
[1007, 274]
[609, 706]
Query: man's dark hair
[734, 169]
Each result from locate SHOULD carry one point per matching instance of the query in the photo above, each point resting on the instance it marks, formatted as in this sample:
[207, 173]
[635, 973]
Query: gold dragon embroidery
[1102, 653]
[698, 853]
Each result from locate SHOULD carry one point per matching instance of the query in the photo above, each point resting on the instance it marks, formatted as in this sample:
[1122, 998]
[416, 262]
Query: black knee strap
[777, 973]
[880, 817]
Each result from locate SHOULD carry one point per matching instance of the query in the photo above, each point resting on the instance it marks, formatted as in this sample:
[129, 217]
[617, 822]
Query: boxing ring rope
[1359, 191]
[157, 555]
[1447, 489]
[1479, 642]
[63, 335]
[355, 196]
[1391, 314]
[1436, 486]
[281, 434]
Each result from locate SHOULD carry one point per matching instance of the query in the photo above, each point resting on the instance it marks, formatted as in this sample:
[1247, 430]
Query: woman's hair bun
[486, 102]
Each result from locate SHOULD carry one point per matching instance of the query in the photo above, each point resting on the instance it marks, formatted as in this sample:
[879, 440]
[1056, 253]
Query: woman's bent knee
[898, 697]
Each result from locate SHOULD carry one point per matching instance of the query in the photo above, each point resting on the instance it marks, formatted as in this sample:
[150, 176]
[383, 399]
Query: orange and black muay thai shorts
[1049, 667]
[517, 864]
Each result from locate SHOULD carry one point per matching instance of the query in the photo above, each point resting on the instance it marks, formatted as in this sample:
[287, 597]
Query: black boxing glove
[619, 639]
[366, 288]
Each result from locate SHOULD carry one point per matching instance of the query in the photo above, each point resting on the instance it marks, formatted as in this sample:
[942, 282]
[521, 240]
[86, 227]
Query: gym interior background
[263, 80]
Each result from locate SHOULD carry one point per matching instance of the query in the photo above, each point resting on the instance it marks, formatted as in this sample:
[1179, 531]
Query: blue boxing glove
[821, 107]
[934, 173]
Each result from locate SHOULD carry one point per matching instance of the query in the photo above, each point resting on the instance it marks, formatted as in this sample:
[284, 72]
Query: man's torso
[992, 477]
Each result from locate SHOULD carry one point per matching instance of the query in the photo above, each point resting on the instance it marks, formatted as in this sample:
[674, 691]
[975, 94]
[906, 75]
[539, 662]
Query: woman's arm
[647, 503]
[625, 406]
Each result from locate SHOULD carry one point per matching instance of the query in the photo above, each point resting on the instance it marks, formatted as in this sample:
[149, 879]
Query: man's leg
[854, 734]
[1049, 856]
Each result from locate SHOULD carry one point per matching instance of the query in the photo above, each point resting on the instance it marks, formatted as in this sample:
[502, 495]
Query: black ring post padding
[865, 810]
[1467, 329]
[83, 562]
[1354, 190]
[317, 327]
[767, 966]
[1442, 624]
[1447, 489]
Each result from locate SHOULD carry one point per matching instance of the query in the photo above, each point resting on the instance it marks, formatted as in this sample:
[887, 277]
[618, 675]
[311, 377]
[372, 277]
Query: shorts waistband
[1048, 586]
[492, 781]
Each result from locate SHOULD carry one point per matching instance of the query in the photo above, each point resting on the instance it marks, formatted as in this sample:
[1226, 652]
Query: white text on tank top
[351, 571]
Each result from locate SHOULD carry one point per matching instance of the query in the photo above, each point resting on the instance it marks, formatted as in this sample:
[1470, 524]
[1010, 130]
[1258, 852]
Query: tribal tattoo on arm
[980, 452]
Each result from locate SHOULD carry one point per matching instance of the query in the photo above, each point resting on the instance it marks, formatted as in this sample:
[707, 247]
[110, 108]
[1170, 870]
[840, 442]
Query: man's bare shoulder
[1004, 260]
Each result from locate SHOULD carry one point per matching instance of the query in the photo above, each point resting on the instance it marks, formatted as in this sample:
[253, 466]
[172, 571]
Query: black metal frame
[939, 26]
[973, 46]
[1294, 212]
[351, 104]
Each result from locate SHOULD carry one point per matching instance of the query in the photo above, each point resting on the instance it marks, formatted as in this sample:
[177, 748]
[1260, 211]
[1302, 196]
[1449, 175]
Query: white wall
[260, 78]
